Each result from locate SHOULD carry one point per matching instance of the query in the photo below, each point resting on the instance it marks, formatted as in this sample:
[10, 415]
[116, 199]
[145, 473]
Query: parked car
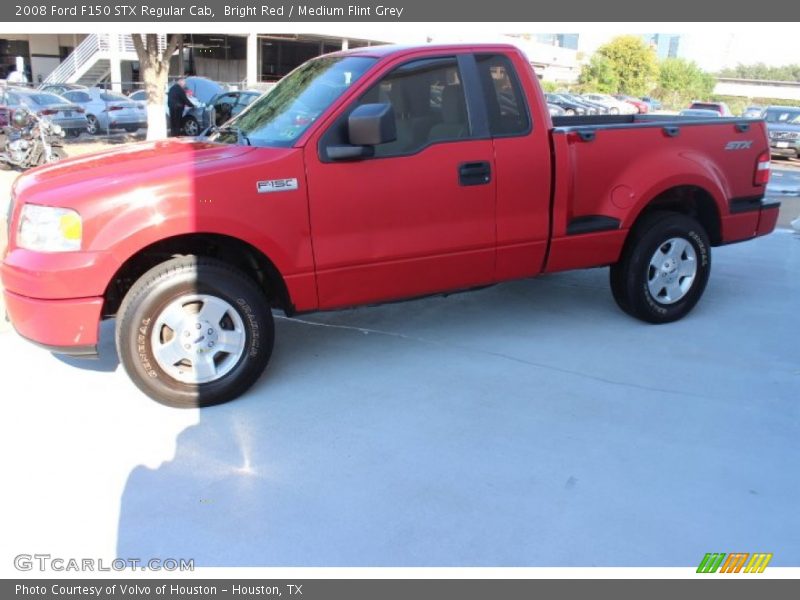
[699, 112]
[783, 125]
[230, 104]
[641, 106]
[570, 108]
[599, 109]
[69, 116]
[555, 111]
[349, 185]
[60, 88]
[615, 107]
[194, 119]
[719, 107]
[200, 91]
[652, 103]
[107, 110]
[753, 112]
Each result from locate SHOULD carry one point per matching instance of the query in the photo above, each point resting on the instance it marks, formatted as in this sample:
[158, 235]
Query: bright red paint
[375, 230]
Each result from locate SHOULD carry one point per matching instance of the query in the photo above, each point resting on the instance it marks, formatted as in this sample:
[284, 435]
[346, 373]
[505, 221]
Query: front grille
[784, 135]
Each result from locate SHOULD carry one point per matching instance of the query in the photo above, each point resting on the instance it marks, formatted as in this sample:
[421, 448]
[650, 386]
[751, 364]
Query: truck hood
[145, 161]
[782, 127]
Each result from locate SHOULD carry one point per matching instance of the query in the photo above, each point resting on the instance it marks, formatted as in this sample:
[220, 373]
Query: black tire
[169, 283]
[633, 276]
[191, 127]
[92, 125]
[131, 129]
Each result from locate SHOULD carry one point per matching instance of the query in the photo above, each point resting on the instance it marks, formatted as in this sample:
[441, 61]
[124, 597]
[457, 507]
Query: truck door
[419, 215]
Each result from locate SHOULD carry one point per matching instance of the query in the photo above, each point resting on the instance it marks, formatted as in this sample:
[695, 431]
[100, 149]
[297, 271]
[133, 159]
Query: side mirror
[368, 126]
[371, 125]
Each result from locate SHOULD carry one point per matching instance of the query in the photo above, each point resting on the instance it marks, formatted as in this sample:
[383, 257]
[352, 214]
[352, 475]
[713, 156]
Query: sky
[712, 45]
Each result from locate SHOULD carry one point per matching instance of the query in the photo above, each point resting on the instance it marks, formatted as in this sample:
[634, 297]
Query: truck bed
[608, 168]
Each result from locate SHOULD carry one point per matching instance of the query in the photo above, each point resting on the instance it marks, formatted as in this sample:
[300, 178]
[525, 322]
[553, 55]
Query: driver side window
[429, 105]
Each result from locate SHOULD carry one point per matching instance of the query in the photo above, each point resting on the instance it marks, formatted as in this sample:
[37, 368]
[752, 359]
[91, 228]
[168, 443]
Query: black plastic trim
[745, 204]
[86, 351]
[592, 224]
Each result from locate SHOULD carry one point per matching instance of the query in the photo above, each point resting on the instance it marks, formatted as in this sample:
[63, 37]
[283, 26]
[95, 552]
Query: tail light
[761, 176]
[80, 110]
[47, 112]
[110, 108]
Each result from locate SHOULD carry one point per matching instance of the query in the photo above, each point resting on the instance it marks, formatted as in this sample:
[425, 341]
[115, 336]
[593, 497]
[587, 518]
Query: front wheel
[57, 153]
[664, 268]
[191, 127]
[194, 332]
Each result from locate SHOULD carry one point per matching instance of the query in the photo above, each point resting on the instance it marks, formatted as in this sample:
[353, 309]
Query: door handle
[474, 173]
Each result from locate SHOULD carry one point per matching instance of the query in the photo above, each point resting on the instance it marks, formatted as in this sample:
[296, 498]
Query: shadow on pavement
[107, 360]
[529, 424]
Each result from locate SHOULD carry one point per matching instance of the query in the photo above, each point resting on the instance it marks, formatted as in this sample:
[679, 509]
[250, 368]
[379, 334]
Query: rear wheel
[194, 332]
[57, 153]
[92, 125]
[664, 268]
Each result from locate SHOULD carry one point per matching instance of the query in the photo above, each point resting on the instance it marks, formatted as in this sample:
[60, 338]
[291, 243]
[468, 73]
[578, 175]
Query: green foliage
[762, 71]
[680, 81]
[549, 86]
[626, 65]
[599, 75]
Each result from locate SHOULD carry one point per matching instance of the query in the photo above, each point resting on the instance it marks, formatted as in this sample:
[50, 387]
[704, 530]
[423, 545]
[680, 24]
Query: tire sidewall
[137, 353]
[677, 226]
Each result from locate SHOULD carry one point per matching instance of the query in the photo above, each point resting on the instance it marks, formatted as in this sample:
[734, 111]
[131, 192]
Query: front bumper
[788, 149]
[62, 326]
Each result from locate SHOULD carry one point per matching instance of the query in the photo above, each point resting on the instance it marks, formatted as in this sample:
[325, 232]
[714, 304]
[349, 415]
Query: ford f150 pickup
[366, 176]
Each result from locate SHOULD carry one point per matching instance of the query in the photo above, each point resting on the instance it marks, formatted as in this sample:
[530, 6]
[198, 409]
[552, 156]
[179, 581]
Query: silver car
[107, 110]
[57, 109]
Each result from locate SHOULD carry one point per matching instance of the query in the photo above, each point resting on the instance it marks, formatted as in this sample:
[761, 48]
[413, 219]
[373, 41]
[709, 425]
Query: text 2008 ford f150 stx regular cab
[365, 176]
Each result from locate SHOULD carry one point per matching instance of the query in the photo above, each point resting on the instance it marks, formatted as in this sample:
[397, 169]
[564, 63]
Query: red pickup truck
[366, 176]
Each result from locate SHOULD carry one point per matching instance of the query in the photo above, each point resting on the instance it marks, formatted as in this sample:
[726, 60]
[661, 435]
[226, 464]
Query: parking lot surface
[528, 424]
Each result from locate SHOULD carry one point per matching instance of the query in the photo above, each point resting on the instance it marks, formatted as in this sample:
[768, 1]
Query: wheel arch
[692, 200]
[246, 257]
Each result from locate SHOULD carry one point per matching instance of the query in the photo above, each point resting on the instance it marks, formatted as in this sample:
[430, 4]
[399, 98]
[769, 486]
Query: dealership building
[248, 59]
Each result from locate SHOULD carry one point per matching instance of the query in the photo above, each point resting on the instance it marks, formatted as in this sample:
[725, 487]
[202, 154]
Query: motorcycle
[30, 141]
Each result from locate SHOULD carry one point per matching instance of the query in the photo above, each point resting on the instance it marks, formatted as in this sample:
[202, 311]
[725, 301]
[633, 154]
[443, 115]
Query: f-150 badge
[276, 185]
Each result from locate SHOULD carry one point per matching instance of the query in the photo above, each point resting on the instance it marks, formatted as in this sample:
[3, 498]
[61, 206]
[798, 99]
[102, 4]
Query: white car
[615, 107]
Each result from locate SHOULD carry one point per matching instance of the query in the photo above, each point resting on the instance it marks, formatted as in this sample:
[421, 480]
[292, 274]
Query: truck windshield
[281, 116]
[778, 115]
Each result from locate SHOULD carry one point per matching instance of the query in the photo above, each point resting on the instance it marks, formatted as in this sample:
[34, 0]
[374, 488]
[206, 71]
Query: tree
[629, 61]
[154, 69]
[599, 76]
[680, 81]
[762, 71]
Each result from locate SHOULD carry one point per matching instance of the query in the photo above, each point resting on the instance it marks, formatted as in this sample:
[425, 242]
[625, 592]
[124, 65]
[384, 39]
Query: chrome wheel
[672, 270]
[92, 125]
[191, 128]
[198, 338]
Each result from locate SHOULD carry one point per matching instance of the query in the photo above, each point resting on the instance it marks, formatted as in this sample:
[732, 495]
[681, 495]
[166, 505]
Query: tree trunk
[154, 69]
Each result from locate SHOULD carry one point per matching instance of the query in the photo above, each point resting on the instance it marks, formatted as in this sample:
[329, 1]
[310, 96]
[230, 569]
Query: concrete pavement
[527, 424]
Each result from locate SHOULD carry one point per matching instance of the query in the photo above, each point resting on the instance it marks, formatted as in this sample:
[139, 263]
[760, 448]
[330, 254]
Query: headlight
[49, 229]
[57, 129]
